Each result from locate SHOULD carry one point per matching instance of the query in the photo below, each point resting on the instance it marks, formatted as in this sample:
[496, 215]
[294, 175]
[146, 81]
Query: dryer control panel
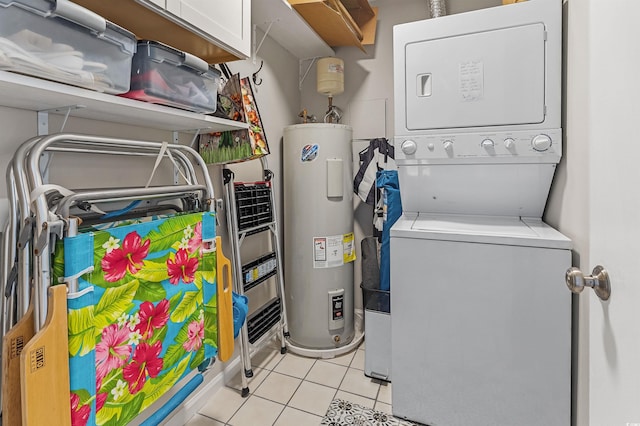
[544, 146]
[499, 173]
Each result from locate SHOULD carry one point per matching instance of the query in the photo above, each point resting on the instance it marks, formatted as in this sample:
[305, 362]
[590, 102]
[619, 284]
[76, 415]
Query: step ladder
[250, 210]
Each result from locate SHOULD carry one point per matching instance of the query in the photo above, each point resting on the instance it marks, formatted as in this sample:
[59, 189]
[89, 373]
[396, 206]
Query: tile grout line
[294, 392]
[269, 371]
[250, 392]
[343, 377]
[304, 379]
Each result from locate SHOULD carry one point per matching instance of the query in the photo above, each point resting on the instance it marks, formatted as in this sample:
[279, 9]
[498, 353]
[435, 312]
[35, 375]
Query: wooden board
[337, 5]
[44, 367]
[339, 26]
[329, 23]
[225, 304]
[13, 344]
[368, 24]
[360, 7]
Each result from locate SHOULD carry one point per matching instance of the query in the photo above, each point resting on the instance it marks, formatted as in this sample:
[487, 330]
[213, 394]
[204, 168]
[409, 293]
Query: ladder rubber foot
[283, 350]
[245, 392]
[248, 373]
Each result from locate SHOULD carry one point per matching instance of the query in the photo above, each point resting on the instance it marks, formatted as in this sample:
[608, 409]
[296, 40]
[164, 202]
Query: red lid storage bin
[163, 75]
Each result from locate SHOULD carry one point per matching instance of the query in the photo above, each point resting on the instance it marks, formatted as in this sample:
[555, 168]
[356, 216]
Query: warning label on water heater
[334, 250]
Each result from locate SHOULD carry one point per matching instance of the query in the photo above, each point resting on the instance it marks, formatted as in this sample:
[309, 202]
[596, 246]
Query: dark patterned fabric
[345, 413]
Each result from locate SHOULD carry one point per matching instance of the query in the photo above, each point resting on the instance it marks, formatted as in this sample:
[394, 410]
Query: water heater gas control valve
[541, 143]
[409, 147]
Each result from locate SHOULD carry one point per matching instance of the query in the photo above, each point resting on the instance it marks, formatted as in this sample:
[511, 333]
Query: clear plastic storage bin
[62, 41]
[166, 76]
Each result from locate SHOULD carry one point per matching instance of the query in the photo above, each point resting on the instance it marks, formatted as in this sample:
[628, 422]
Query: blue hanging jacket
[387, 180]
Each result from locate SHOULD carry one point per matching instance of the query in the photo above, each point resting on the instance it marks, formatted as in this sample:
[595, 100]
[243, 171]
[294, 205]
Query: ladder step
[261, 321]
[260, 270]
[253, 204]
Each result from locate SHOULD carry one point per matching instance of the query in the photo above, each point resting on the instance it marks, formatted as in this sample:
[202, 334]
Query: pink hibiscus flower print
[101, 398]
[195, 243]
[113, 350]
[152, 318]
[129, 257]
[181, 267]
[145, 363]
[195, 335]
[79, 414]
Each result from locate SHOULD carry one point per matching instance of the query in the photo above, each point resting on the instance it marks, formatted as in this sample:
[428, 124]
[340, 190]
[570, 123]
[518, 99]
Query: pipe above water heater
[437, 8]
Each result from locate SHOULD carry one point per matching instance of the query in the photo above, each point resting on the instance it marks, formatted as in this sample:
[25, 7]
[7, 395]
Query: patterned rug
[345, 413]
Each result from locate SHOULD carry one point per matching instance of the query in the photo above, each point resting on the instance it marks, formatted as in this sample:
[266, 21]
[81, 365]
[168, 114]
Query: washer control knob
[541, 143]
[409, 147]
[487, 144]
[448, 146]
[509, 143]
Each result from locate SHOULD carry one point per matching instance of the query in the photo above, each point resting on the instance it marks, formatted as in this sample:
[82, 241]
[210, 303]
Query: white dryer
[480, 314]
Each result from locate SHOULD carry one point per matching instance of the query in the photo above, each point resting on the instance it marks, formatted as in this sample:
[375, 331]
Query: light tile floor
[290, 390]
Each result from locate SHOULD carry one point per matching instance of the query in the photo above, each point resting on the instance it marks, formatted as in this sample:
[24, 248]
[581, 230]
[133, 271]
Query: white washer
[481, 321]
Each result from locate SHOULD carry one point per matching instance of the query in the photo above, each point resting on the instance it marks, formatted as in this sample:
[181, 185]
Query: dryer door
[489, 78]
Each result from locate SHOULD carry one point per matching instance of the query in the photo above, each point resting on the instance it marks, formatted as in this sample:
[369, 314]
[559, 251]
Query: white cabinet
[214, 30]
[228, 22]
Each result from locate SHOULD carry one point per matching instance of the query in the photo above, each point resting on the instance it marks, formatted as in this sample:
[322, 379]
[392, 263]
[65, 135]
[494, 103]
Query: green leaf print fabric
[144, 314]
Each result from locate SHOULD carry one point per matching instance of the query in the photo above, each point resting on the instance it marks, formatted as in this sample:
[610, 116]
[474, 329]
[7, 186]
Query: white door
[603, 176]
[614, 341]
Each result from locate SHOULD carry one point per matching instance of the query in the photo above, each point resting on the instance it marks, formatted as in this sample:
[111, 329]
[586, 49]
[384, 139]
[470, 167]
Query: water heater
[318, 234]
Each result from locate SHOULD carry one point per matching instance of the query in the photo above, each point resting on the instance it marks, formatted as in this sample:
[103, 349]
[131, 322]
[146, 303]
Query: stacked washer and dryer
[481, 317]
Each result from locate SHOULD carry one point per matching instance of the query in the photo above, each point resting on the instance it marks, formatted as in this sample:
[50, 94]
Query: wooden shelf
[155, 23]
[340, 22]
[288, 29]
[34, 94]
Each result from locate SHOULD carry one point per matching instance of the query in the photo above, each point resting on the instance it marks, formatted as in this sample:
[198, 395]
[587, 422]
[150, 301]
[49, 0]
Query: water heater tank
[318, 234]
